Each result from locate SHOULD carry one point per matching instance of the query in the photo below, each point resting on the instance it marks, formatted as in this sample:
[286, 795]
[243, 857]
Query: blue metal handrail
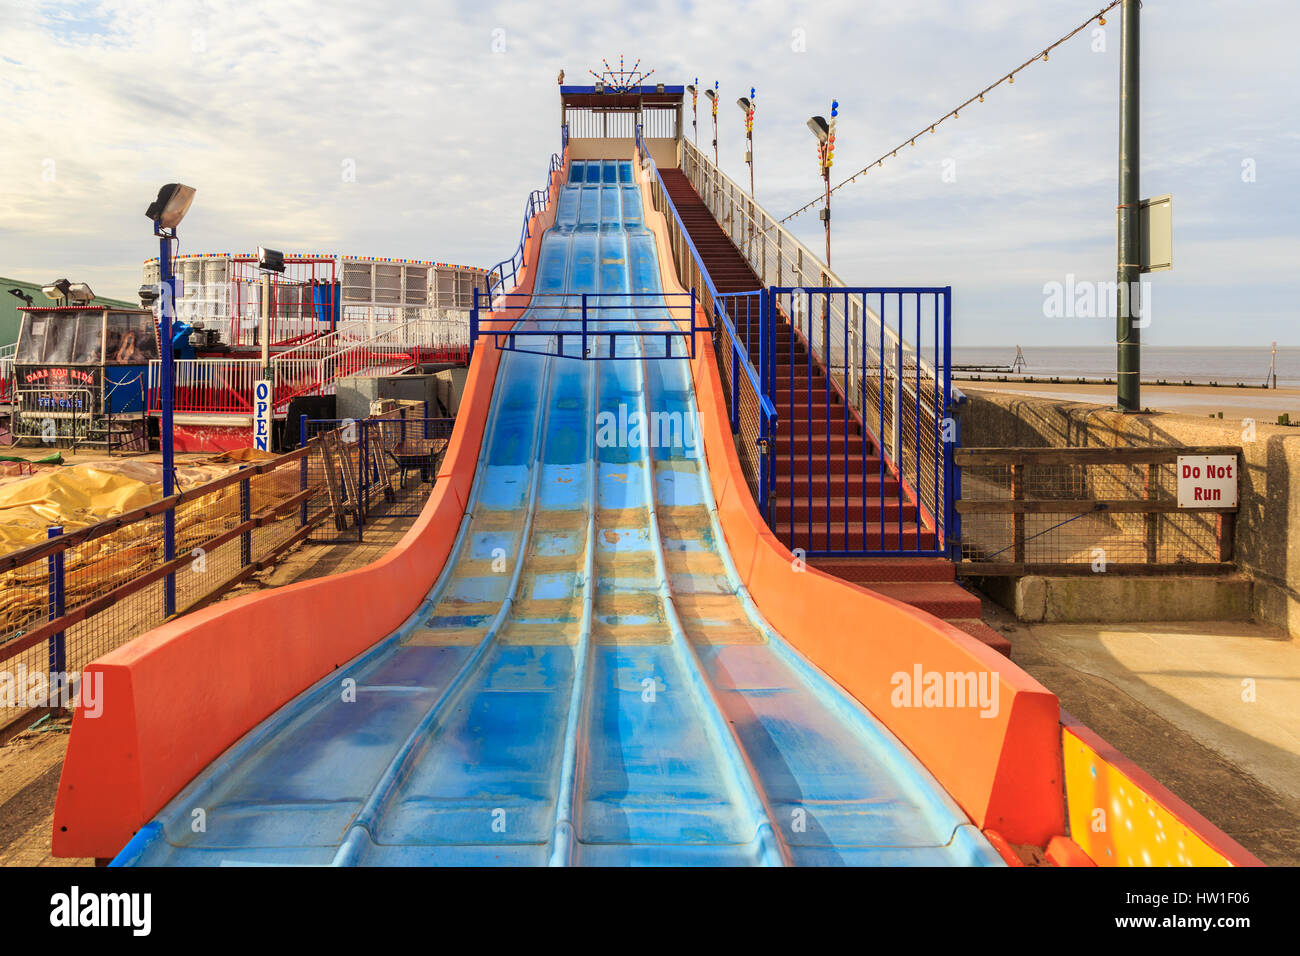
[720, 312]
[585, 325]
[537, 202]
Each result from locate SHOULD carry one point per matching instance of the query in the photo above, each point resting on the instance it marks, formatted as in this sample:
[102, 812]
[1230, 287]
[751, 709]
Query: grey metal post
[1128, 339]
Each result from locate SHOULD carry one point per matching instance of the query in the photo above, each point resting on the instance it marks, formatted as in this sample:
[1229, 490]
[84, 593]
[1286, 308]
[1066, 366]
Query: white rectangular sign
[1156, 233]
[1207, 481]
[262, 415]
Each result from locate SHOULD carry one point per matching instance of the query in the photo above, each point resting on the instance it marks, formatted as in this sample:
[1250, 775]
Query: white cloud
[260, 105]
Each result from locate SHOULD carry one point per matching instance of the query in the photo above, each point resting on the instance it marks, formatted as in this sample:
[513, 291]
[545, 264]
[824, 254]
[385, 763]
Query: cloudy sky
[447, 113]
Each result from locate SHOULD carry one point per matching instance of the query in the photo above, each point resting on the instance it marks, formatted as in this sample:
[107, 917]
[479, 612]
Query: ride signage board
[262, 415]
[1207, 481]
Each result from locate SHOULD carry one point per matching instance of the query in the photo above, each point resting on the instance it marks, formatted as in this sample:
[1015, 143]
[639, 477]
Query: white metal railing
[386, 353]
[781, 260]
[7, 371]
[210, 386]
[345, 334]
[225, 386]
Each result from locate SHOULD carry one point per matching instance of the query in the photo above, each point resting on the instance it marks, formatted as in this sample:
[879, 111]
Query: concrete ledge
[1114, 599]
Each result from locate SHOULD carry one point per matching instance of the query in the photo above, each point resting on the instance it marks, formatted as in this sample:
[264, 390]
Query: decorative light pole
[825, 133]
[166, 212]
[713, 99]
[746, 104]
[694, 90]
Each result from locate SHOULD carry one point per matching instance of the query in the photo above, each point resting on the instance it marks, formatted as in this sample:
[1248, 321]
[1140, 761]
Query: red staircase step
[945, 599]
[809, 479]
[796, 509]
[977, 629]
[861, 570]
[853, 536]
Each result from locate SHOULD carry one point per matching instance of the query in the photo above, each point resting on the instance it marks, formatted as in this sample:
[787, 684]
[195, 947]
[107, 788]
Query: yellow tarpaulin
[79, 495]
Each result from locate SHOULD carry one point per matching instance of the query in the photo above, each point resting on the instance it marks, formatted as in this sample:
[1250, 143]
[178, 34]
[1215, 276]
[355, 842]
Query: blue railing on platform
[537, 201]
[586, 324]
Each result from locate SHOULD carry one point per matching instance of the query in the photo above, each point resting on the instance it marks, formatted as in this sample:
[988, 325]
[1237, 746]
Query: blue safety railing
[890, 491]
[750, 410]
[862, 432]
[537, 202]
[588, 325]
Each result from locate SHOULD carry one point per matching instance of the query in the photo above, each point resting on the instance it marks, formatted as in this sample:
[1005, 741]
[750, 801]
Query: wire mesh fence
[76, 596]
[379, 467]
[1087, 508]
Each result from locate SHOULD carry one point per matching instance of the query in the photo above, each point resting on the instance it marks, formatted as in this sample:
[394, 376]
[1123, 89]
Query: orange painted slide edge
[175, 698]
[1003, 769]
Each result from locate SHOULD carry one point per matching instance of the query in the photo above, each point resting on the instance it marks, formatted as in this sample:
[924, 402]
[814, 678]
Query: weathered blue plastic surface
[586, 683]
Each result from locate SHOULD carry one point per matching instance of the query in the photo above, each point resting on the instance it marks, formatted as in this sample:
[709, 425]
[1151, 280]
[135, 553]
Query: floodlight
[745, 104]
[80, 292]
[172, 204]
[270, 260]
[57, 290]
[821, 129]
[18, 293]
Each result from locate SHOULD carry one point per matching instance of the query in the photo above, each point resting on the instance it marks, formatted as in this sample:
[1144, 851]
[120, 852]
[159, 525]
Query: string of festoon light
[1009, 78]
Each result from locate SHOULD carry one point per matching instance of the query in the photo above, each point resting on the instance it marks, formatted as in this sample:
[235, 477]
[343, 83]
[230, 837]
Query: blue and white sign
[262, 415]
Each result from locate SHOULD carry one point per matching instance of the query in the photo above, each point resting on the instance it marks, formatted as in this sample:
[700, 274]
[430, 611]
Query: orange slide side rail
[1121, 816]
[1013, 770]
[175, 698]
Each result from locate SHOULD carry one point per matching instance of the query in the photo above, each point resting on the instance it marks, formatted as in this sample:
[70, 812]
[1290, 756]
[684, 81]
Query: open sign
[1207, 481]
[262, 415]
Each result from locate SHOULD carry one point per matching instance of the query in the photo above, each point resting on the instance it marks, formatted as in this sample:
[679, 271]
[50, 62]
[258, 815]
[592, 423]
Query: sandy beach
[1264, 405]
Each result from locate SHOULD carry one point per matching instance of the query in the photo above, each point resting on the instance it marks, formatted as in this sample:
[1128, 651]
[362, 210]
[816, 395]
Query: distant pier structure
[1017, 366]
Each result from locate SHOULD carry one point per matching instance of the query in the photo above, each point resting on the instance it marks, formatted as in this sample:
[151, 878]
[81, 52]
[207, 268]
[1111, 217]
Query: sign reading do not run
[1207, 481]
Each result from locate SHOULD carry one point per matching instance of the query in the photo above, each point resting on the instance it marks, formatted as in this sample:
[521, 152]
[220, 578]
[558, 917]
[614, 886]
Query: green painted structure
[10, 304]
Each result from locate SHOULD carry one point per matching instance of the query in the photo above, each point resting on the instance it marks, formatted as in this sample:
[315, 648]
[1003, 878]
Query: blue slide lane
[587, 681]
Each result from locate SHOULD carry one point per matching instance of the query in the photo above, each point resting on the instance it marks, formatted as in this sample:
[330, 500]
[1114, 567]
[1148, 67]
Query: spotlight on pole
[693, 89]
[57, 290]
[172, 204]
[270, 260]
[746, 104]
[18, 293]
[713, 100]
[166, 213]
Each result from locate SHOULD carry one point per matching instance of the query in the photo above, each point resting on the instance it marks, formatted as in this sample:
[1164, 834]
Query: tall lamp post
[713, 99]
[825, 133]
[746, 104]
[268, 261]
[1128, 376]
[693, 89]
[166, 213]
